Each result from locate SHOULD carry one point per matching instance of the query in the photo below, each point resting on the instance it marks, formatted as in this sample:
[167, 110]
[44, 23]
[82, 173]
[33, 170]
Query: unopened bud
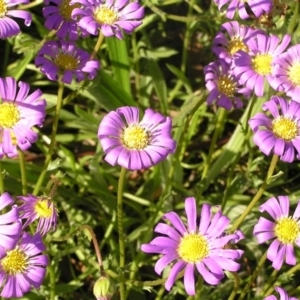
[104, 288]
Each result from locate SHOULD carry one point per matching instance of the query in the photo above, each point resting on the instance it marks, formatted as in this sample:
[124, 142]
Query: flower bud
[104, 288]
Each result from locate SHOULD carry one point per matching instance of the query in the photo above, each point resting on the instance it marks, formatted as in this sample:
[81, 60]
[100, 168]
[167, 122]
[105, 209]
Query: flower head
[258, 7]
[223, 86]
[23, 267]
[286, 70]
[201, 247]
[10, 225]
[63, 58]
[58, 17]
[111, 17]
[251, 68]
[282, 293]
[9, 27]
[281, 134]
[135, 144]
[39, 208]
[19, 112]
[232, 38]
[285, 230]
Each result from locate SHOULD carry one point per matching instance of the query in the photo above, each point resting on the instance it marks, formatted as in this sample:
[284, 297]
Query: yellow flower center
[9, 115]
[42, 209]
[3, 8]
[287, 230]
[135, 137]
[105, 15]
[294, 73]
[285, 128]
[15, 262]
[66, 62]
[65, 9]
[226, 86]
[193, 248]
[261, 64]
[235, 45]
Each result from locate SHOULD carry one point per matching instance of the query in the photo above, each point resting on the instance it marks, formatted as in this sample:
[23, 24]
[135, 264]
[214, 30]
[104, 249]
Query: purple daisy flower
[58, 17]
[286, 70]
[223, 86]
[23, 267]
[9, 27]
[63, 59]
[111, 17]
[135, 144]
[285, 230]
[280, 135]
[232, 38]
[200, 246]
[19, 112]
[258, 7]
[39, 208]
[251, 68]
[282, 293]
[10, 225]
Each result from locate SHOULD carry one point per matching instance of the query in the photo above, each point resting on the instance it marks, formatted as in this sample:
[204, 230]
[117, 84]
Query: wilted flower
[281, 134]
[135, 144]
[285, 230]
[201, 247]
[19, 112]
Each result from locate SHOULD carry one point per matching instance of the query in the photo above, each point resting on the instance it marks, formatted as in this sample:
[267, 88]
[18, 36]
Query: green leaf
[17, 69]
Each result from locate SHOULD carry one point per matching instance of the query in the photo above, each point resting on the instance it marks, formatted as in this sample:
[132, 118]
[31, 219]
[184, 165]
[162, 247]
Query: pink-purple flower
[39, 208]
[281, 133]
[283, 295]
[111, 17]
[135, 144]
[8, 26]
[58, 17]
[286, 72]
[223, 86]
[10, 224]
[19, 112]
[284, 229]
[258, 7]
[253, 67]
[200, 247]
[23, 267]
[63, 59]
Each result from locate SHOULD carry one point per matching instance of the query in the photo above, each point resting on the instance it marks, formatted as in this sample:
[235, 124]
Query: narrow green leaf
[17, 69]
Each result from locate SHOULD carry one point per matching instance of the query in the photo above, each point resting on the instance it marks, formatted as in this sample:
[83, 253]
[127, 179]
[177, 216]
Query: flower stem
[98, 45]
[121, 231]
[1, 179]
[236, 286]
[254, 275]
[52, 281]
[23, 171]
[53, 136]
[258, 195]
[219, 127]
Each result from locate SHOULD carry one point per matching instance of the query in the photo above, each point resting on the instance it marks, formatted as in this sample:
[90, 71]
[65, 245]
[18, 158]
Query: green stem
[219, 127]
[98, 45]
[53, 136]
[23, 171]
[253, 277]
[52, 281]
[269, 284]
[121, 231]
[258, 195]
[1, 179]
[235, 286]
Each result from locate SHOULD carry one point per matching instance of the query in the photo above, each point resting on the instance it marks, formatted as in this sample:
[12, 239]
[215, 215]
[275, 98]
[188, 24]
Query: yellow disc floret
[193, 248]
[105, 15]
[3, 8]
[261, 64]
[9, 115]
[294, 73]
[235, 45]
[135, 137]
[15, 262]
[66, 62]
[65, 9]
[42, 208]
[227, 86]
[285, 128]
[287, 230]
